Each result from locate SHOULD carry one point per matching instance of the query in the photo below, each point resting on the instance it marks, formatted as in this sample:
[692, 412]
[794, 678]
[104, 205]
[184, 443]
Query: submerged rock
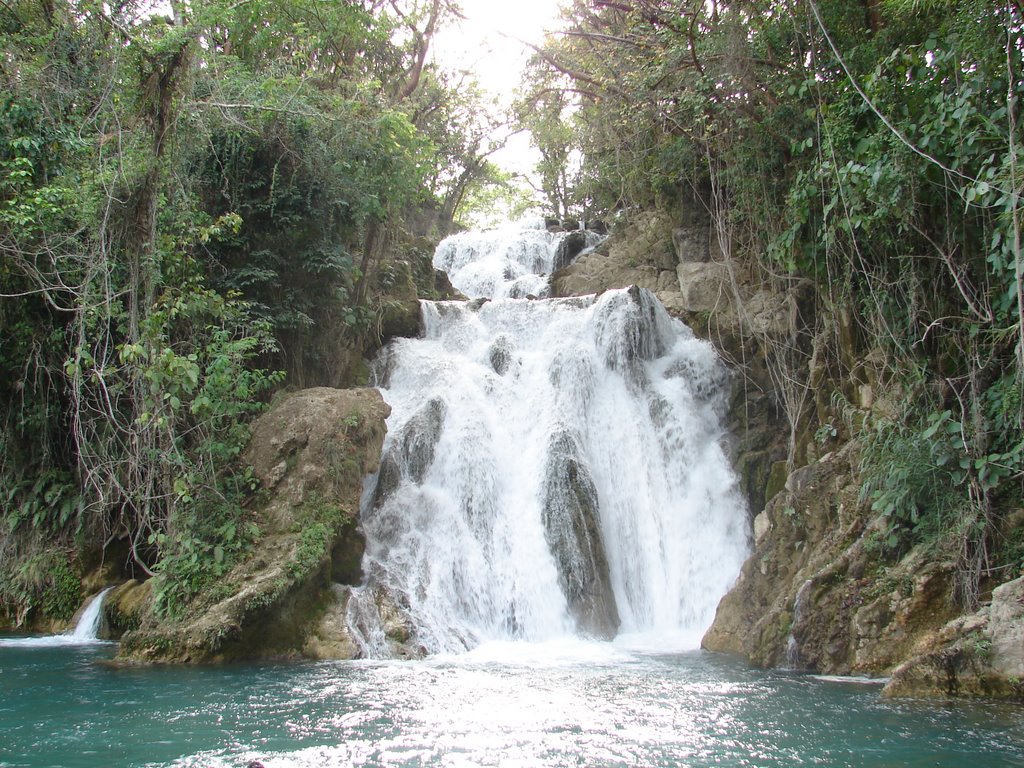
[310, 453]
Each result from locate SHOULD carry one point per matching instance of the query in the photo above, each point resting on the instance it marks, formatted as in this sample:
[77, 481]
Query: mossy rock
[310, 453]
[125, 607]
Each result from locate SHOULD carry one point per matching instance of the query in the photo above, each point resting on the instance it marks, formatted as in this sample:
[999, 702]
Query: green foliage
[873, 149]
[43, 581]
[318, 523]
[912, 480]
[186, 208]
[51, 501]
[213, 535]
[62, 593]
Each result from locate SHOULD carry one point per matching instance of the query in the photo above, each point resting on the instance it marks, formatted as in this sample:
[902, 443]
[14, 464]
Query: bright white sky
[485, 43]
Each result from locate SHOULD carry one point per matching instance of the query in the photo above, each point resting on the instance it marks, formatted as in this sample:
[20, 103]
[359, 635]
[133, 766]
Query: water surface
[508, 704]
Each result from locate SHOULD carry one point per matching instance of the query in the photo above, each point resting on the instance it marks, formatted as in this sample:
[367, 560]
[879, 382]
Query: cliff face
[819, 592]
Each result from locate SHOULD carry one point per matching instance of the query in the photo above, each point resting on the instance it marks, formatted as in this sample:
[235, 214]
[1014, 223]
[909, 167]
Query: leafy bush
[912, 480]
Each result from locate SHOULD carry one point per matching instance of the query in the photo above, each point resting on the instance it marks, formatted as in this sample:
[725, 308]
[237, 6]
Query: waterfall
[512, 262]
[86, 629]
[88, 626]
[800, 603]
[552, 468]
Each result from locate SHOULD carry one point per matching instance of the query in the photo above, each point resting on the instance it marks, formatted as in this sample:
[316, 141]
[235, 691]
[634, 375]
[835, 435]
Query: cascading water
[511, 262]
[86, 629]
[551, 468]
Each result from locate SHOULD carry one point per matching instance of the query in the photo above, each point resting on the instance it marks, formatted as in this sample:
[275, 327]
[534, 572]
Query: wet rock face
[501, 355]
[573, 533]
[627, 330]
[125, 608]
[568, 249]
[310, 453]
[412, 452]
[811, 595]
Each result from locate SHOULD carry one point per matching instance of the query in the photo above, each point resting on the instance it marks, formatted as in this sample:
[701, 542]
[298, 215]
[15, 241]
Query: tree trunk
[873, 13]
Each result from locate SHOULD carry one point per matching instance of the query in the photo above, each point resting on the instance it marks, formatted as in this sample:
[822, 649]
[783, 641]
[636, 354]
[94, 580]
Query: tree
[186, 204]
[871, 147]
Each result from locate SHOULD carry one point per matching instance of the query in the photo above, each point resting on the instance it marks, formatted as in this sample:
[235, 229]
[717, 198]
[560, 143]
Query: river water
[529, 705]
[555, 475]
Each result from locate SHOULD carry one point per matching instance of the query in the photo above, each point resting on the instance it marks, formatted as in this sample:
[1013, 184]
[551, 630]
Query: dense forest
[871, 149]
[200, 204]
[198, 208]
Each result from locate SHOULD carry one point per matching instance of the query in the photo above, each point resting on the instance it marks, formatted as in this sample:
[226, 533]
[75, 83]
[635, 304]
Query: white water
[508, 419]
[513, 261]
[84, 633]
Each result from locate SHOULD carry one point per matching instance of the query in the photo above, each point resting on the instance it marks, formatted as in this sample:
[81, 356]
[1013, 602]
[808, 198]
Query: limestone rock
[692, 243]
[331, 639]
[569, 248]
[761, 526]
[1006, 629]
[704, 286]
[311, 452]
[125, 607]
[981, 654]
[807, 598]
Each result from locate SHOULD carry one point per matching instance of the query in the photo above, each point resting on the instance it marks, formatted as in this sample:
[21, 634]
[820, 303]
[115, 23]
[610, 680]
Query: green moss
[777, 476]
[318, 523]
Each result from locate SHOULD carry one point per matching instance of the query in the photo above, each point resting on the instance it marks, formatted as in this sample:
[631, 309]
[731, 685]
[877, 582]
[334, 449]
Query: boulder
[704, 287]
[310, 453]
[125, 608]
[573, 532]
[981, 654]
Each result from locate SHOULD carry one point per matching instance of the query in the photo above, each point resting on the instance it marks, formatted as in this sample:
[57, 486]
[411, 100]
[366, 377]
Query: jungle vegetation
[199, 203]
[870, 147]
[190, 196]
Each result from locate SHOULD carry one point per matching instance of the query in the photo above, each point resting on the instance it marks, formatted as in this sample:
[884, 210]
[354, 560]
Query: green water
[589, 705]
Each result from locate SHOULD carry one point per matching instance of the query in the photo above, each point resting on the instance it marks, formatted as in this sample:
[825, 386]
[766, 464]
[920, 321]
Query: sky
[486, 40]
[486, 43]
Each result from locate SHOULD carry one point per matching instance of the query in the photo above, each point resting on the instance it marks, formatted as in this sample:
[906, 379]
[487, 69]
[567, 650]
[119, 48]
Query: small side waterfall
[800, 603]
[552, 468]
[86, 629]
[88, 626]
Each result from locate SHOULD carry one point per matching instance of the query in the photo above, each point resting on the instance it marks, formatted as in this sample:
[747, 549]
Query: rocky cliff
[819, 592]
[310, 453]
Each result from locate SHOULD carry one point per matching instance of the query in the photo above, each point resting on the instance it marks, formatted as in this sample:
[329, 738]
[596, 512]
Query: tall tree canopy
[189, 203]
[873, 147]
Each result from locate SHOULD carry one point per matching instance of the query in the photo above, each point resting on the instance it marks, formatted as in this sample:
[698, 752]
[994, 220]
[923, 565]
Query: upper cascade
[552, 468]
[511, 262]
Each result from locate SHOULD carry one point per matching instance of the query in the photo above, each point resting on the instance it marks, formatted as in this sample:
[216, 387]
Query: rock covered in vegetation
[125, 608]
[821, 591]
[310, 453]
